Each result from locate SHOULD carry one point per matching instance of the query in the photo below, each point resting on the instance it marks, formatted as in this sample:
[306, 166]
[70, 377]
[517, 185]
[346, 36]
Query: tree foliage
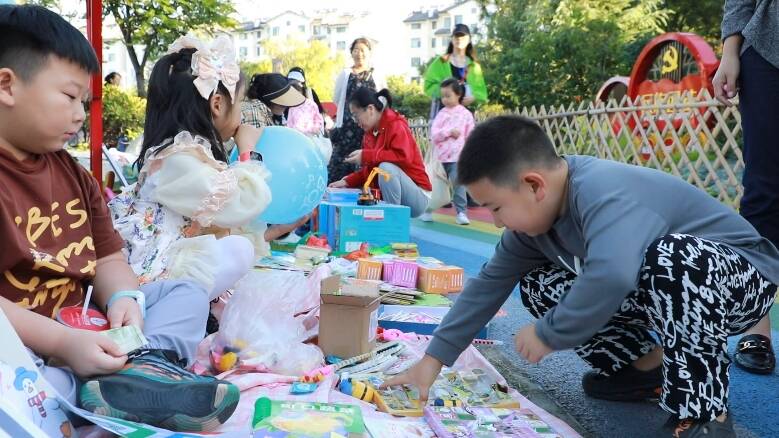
[314, 57]
[123, 114]
[155, 24]
[408, 97]
[561, 51]
[698, 16]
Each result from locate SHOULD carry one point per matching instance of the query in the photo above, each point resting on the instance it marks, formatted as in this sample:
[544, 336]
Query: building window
[258, 51]
[416, 62]
[416, 26]
[434, 25]
[416, 43]
[288, 23]
[244, 36]
[302, 28]
[340, 29]
[458, 19]
[447, 23]
[473, 10]
[340, 45]
[432, 43]
[276, 31]
[317, 29]
[259, 34]
[444, 41]
[243, 52]
[111, 57]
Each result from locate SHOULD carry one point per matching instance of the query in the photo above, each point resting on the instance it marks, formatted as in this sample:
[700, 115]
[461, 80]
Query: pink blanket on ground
[254, 385]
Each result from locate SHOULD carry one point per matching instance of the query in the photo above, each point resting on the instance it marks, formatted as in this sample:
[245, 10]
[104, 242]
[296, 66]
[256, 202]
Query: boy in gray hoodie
[604, 254]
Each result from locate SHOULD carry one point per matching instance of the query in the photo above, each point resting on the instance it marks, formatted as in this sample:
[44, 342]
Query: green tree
[155, 24]
[698, 16]
[408, 97]
[123, 114]
[555, 52]
[314, 57]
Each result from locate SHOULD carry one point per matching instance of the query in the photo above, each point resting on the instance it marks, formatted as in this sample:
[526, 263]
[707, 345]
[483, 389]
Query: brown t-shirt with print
[54, 225]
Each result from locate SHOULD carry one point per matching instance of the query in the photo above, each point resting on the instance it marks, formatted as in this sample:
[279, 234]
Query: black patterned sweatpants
[693, 294]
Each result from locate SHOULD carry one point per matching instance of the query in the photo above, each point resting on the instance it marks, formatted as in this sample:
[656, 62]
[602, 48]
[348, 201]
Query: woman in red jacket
[389, 145]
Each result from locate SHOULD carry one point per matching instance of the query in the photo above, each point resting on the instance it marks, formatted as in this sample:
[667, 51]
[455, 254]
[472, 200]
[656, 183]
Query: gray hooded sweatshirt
[614, 212]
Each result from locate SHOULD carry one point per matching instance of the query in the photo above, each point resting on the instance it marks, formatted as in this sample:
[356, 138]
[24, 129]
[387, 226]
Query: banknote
[128, 338]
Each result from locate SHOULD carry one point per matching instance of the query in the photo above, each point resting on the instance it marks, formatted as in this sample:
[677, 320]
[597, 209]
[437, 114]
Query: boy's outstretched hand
[529, 345]
[422, 375]
[90, 353]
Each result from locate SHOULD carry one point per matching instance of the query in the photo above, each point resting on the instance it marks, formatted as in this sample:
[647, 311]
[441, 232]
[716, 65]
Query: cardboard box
[348, 225]
[347, 324]
[401, 273]
[369, 269]
[434, 279]
[417, 327]
[341, 195]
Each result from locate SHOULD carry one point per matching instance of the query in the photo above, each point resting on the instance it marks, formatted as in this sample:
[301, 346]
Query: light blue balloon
[298, 174]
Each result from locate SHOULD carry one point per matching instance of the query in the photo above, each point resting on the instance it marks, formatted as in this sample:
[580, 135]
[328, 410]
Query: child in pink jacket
[450, 129]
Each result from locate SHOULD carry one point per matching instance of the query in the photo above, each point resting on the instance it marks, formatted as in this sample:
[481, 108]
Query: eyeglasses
[356, 115]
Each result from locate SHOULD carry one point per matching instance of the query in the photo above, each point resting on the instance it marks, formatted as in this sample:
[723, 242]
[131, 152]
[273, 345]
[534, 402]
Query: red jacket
[394, 144]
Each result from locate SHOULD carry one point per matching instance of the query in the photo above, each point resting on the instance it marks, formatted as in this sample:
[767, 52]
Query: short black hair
[365, 96]
[30, 34]
[501, 147]
[456, 87]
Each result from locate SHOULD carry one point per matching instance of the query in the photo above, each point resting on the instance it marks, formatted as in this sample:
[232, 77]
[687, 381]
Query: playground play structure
[671, 68]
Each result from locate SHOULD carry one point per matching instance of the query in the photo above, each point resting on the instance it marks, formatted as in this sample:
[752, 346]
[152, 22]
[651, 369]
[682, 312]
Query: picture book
[451, 388]
[397, 428]
[279, 419]
[482, 422]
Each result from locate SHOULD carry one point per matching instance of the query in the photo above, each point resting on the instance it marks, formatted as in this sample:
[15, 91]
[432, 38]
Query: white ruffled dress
[183, 201]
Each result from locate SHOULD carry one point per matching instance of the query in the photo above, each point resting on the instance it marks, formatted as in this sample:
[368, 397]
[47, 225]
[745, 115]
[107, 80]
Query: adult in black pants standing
[750, 68]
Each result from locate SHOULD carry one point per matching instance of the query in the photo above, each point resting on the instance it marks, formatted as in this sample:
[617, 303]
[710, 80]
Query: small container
[94, 321]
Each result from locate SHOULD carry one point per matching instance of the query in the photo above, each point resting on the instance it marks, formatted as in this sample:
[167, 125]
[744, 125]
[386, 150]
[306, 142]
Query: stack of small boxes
[427, 277]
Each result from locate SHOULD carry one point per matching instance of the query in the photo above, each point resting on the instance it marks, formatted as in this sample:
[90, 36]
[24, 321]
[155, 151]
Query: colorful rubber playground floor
[555, 382]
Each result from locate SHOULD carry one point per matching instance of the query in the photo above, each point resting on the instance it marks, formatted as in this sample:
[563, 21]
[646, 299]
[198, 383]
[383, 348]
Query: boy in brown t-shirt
[58, 235]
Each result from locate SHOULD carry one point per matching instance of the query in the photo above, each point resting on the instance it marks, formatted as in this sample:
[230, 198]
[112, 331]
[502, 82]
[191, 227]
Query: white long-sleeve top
[184, 199]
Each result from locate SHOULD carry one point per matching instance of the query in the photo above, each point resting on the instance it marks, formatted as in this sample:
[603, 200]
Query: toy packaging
[274, 418]
[481, 422]
[459, 388]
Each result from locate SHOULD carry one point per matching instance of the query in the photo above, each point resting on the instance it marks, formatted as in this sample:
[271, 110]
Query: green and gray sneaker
[153, 389]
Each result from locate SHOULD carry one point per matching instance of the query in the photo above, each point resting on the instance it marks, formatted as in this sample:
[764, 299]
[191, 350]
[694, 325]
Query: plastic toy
[366, 197]
[361, 253]
[357, 389]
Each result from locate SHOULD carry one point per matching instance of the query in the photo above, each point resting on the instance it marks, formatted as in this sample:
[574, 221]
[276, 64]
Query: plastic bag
[441, 193]
[266, 322]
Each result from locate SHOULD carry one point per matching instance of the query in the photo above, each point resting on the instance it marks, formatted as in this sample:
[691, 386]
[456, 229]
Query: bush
[408, 98]
[123, 114]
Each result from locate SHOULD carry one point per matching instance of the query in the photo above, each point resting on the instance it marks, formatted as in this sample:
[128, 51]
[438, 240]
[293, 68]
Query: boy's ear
[537, 184]
[7, 80]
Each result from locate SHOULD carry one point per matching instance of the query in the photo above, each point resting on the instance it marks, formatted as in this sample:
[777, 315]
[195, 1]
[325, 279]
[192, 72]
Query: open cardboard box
[348, 323]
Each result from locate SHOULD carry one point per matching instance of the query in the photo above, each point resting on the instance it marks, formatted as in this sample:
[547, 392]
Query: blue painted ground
[754, 400]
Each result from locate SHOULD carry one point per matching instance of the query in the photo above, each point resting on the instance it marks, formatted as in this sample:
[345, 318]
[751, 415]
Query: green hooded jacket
[440, 70]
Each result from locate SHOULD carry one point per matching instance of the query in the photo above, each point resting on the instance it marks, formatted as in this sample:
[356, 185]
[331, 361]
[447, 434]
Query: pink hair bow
[211, 64]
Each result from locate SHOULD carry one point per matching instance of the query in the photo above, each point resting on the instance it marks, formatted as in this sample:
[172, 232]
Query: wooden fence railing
[688, 135]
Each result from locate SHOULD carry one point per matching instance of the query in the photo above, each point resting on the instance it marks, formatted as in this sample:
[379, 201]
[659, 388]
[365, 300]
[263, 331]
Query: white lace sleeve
[208, 191]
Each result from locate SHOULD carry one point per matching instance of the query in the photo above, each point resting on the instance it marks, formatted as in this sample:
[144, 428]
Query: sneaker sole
[115, 396]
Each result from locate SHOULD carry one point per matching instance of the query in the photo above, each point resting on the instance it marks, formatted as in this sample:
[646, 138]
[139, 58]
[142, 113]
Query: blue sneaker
[153, 389]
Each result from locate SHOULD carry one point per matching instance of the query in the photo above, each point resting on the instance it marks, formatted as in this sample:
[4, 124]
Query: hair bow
[211, 64]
